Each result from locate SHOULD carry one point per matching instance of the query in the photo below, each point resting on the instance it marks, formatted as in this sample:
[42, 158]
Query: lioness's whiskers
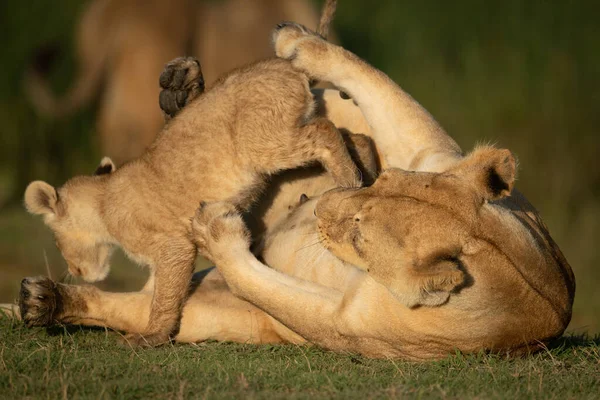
[309, 245]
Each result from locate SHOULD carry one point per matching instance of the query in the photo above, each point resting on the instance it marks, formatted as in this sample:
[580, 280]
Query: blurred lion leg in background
[123, 45]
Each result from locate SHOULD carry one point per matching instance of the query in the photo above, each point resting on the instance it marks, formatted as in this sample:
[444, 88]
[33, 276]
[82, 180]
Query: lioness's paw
[217, 228]
[286, 36]
[38, 300]
[181, 82]
[145, 340]
[306, 49]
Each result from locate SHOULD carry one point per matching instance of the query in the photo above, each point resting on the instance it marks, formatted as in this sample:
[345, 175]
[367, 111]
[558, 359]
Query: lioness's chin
[343, 253]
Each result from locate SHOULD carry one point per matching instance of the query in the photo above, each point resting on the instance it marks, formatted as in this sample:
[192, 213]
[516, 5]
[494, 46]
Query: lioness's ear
[106, 167]
[41, 198]
[491, 170]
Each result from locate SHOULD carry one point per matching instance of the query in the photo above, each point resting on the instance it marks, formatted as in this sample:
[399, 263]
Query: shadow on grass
[69, 330]
[564, 344]
[571, 341]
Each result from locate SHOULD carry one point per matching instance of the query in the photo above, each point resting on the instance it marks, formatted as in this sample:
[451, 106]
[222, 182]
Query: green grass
[72, 362]
[522, 74]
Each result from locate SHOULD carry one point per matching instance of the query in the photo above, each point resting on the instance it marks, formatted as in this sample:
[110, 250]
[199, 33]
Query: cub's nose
[75, 271]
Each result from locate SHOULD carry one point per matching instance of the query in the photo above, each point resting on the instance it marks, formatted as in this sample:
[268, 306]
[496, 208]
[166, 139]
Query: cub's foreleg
[406, 135]
[174, 265]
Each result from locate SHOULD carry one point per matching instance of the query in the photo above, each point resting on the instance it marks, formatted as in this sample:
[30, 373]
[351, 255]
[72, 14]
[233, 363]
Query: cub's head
[410, 229]
[72, 213]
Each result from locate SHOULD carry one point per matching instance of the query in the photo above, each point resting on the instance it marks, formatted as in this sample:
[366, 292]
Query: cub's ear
[41, 198]
[106, 167]
[492, 171]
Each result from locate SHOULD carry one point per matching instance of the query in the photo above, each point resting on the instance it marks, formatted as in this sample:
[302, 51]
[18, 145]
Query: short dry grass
[72, 362]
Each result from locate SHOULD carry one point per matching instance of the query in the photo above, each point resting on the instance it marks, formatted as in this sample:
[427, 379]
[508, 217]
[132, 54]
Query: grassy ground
[522, 74]
[82, 363]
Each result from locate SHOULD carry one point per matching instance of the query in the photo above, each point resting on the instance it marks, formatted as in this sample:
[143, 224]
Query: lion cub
[254, 122]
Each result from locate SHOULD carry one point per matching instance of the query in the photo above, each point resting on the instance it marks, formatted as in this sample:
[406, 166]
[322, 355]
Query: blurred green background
[519, 73]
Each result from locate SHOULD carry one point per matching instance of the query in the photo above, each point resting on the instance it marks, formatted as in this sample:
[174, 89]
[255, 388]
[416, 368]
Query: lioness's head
[72, 213]
[409, 229]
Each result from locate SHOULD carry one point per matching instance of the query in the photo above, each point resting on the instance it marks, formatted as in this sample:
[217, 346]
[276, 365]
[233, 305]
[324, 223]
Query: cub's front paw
[181, 82]
[217, 229]
[145, 340]
[38, 301]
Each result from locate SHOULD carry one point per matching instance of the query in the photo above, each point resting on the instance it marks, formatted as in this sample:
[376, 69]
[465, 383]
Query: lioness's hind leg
[43, 302]
[285, 38]
[405, 133]
[181, 82]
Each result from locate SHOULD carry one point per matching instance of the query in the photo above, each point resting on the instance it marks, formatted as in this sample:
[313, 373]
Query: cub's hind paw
[181, 82]
[38, 301]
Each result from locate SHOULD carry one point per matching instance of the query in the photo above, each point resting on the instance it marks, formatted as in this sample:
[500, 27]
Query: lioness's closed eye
[430, 216]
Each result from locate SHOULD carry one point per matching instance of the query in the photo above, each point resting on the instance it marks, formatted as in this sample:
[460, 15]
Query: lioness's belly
[293, 247]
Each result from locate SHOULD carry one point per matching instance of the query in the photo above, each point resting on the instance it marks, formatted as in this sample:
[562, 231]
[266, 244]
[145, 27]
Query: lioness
[115, 37]
[439, 254]
[254, 122]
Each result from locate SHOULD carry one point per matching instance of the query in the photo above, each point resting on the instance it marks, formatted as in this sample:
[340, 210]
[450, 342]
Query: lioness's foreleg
[313, 311]
[211, 312]
[406, 135]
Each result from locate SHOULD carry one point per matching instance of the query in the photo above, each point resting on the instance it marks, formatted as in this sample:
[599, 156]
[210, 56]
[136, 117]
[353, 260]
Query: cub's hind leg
[319, 140]
[181, 82]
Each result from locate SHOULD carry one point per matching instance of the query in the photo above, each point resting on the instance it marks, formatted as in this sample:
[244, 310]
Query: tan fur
[116, 37]
[255, 122]
[424, 262]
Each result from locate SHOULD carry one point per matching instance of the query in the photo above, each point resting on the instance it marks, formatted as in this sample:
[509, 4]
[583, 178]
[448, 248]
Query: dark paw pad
[181, 82]
[38, 301]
